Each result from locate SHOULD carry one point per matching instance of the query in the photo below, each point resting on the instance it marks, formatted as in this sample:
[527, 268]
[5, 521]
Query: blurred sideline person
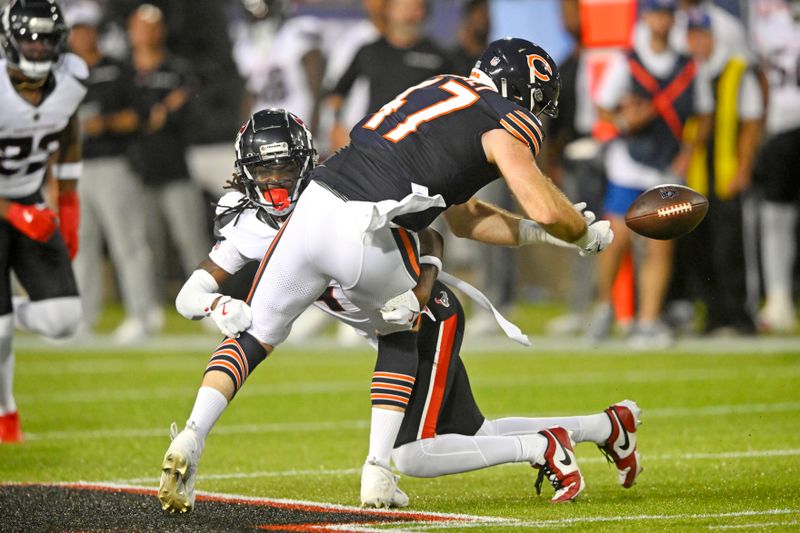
[162, 87]
[280, 58]
[108, 187]
[343, 39]
[402, 57]
[776, 36]
[447, 435]
[369, 199]
[576, 164]
[473, 36]
[40, 137]
[648, 93]
[730, 108]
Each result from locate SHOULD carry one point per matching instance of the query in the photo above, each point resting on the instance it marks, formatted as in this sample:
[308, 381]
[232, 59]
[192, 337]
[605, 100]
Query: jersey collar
[481, 77]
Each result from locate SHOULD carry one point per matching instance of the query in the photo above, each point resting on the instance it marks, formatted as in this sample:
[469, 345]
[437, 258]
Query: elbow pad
[197, 294]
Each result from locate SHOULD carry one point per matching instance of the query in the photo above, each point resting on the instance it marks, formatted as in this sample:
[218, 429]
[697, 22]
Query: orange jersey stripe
[392, 397]
[410, 249]
[400, 388]
[514, 132]
[230, 367]
[236, 356]
[533, 123]
[526, 129]
[392, 375]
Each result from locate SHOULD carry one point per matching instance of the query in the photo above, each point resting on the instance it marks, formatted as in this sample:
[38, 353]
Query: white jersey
[247, 239]
[776, 38]
[270, 59]
[30, 134]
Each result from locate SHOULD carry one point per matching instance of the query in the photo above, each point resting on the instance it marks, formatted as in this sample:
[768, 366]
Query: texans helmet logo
[534, 62]
[442, 299]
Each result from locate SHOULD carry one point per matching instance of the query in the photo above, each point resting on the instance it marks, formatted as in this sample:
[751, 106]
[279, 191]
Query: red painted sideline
[282, 504]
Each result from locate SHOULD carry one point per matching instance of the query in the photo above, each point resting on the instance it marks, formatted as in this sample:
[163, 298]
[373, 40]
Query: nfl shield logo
[495, 60]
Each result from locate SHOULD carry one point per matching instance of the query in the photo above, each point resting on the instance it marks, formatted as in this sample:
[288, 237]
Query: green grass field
[720, 440]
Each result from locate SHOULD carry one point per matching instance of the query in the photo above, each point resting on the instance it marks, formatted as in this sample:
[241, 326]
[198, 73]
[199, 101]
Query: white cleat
[379, 487]
[179, 470]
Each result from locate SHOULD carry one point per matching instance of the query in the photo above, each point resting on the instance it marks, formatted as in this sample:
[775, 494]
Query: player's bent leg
[452, 453]
[56, 318]
[621, 445]
[229, 366]
[392, 383]
[589, 428]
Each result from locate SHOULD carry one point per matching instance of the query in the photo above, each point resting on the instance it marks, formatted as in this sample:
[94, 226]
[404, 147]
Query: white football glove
[530, 232]
[597, 238]
[401, 310]
[232, 316]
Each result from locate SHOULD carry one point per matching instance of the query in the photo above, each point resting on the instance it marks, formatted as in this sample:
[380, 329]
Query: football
[666, 212]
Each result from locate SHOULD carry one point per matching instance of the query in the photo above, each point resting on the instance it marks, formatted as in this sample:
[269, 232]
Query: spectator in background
[776, 36]
[403, 57]
[731, 108]
[343, 39]
[473, 36]
[279, 57]
[576, 165]
[649, 94]
[111, 195]
[158, 154]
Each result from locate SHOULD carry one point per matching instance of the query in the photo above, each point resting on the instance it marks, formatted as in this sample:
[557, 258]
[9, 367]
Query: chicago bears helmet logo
[534, 62]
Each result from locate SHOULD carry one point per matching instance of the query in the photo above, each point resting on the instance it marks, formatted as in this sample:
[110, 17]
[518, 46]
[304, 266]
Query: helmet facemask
[33, 41]
[273, 185]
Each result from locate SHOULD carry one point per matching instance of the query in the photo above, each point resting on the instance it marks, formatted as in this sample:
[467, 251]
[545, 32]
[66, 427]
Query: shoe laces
[545, 470]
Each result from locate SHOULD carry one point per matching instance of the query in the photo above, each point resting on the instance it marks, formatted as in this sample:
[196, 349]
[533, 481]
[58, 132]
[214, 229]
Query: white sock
[452, 453]
[592, 428]
[208, 407]
[383, 430]
[778, 222]
[7, 404]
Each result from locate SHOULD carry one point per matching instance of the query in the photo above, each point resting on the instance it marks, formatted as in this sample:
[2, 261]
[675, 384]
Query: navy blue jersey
[427, 139]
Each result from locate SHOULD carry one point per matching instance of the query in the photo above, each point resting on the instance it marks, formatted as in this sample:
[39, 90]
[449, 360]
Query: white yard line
[757, 525]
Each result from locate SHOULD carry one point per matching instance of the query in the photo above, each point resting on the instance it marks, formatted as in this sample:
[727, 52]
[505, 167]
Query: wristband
[68, 171]
[431, 260]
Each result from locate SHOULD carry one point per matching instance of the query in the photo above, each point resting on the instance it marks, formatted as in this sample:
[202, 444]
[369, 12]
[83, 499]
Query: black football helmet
[523, 73]
[274, 152]
[34, 35]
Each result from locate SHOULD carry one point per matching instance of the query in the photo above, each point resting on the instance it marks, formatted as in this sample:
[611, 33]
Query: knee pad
[56, 318]
[237, 358]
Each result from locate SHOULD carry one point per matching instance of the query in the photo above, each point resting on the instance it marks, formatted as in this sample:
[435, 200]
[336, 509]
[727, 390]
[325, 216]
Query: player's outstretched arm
[541, 200]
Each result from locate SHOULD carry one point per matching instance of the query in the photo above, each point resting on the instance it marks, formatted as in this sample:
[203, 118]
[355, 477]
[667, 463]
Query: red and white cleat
[558, 463]
[621, 445]
[10, 428]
